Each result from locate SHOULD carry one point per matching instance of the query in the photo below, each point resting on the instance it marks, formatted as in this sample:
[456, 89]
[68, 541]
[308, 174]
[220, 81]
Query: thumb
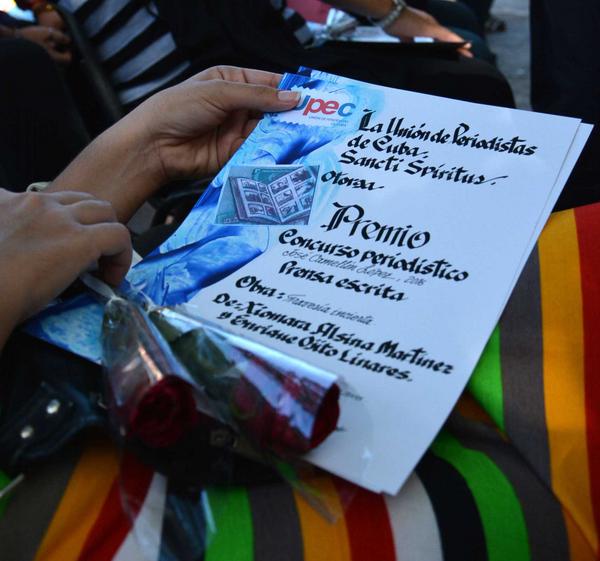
[232, 96]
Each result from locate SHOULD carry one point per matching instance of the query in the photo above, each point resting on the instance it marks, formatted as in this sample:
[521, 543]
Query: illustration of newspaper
[273, 195]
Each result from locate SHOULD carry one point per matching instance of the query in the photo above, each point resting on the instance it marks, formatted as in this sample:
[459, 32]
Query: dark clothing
[481, 9]
[252, 35]
[565, 80]
[40, 130]
[8, 21]
[454, 14]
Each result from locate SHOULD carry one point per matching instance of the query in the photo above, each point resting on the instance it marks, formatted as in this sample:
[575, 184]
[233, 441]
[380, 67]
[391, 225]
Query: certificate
[376, 234]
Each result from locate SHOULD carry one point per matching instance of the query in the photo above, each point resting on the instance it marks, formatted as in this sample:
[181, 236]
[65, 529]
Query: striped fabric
[513, 476]
[539, 377]
[294, 22]
[137, 51]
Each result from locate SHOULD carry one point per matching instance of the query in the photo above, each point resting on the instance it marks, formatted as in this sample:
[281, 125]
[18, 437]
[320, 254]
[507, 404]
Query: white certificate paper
[425, 212]
[371, 232]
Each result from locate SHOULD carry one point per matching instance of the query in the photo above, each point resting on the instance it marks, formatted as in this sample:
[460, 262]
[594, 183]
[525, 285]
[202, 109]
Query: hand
[46, 241]
[54, 41]
[416, 23]
[51, 18]
[188, 131]
[197, 126]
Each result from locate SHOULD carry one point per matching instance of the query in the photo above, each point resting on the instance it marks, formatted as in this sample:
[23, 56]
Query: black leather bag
[47, 398]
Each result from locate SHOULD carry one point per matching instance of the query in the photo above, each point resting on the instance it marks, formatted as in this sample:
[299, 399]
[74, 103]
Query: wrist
[118, 167]
[395, 8]
[380, 9]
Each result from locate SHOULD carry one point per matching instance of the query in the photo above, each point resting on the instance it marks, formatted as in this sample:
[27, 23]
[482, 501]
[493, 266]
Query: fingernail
[287, 95]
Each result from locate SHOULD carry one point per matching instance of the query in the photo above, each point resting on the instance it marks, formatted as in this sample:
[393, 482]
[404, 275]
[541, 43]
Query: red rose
[282, 412]
[327, 416]
[164, 413]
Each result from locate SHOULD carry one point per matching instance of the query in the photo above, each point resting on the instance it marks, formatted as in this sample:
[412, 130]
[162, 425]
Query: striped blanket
[513, 476]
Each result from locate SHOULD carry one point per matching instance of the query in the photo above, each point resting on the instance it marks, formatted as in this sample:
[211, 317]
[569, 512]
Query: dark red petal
[327, 416]
[164, 413]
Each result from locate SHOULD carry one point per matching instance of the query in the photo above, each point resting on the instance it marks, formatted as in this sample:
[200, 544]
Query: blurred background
[511, 46]
[9, 6]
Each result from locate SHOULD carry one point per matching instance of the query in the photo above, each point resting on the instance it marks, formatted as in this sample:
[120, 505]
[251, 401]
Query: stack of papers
[374, 233]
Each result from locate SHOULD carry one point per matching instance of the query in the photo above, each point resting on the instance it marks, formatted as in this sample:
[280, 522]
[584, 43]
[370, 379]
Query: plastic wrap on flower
[148, 393]
[279, 403]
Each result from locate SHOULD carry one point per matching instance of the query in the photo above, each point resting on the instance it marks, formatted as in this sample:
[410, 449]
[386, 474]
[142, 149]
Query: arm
[188, 131]
[411, 23]
[47, 239]
[370, 8]
[47, 35]
[55, 42]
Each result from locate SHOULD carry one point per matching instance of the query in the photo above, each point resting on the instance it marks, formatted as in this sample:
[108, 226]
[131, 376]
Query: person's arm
[53, 40]
[47, 239]
[188, 131]
[376, 9]
[50, 37]
[410, 23]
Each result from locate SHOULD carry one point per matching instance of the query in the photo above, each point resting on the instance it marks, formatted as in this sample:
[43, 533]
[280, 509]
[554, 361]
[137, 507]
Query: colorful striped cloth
[513, 476]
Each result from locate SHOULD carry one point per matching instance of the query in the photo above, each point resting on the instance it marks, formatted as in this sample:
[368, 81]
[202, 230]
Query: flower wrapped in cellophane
[149, 394]
[168, 373]
[279, 403]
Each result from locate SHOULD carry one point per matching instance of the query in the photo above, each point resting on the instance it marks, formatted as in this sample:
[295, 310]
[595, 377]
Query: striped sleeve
[294, 22]
[135, 47]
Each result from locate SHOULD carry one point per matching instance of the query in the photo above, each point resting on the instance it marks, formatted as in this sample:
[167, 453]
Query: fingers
[56, 42]
[262, 78]
[113, 244]
[104, 238]
[444, 34]
[465, 51]
[70, 197]
[57, 37]
[441, 33]
[232, 96]
[93, 212]
[61, 57]
[236, 74]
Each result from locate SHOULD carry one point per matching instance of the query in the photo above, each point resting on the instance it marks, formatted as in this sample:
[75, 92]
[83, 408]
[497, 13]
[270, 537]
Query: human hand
[196, 127]
[416, 23]
[54, 41]
[51, 18]
[187, 131]
[46, 241]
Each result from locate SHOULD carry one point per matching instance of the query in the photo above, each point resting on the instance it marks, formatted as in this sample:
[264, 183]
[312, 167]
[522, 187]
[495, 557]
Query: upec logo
[309, 104]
